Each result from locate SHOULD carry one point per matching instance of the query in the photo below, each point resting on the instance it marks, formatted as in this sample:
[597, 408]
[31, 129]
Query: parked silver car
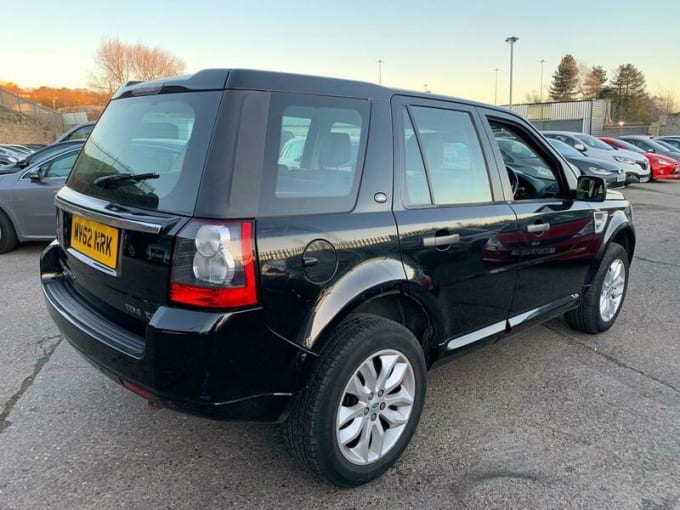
[27, 211]
[7, 156]
[634, 164]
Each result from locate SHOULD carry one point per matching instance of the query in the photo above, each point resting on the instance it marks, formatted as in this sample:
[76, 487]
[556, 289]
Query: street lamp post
[380, 63]
[495, 88]
[540, 94]
[511, 40]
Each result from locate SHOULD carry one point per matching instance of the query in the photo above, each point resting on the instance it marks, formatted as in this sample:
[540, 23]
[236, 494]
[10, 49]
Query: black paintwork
[314, 270]
[584, 164]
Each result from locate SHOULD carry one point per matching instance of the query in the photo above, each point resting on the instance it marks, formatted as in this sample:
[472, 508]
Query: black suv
[262, 246]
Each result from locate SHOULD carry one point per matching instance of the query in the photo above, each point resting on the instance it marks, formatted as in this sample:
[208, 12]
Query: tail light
[214, 265]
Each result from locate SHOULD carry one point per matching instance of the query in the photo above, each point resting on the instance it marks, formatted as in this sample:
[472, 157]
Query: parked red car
[662, 167]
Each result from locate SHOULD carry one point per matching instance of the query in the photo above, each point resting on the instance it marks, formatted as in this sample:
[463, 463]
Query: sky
[452, 46]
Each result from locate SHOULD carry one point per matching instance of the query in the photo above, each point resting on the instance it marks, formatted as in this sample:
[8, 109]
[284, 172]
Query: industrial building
[582, 116]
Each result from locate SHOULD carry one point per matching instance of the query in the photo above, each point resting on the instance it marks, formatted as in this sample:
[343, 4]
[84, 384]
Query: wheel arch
[374, 287]
[13, 221]
[620, 231]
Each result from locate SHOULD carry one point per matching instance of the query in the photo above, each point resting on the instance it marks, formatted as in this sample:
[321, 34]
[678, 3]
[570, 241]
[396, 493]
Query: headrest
[414, 161]
[159, 130]
[335, 149]
[433, 147]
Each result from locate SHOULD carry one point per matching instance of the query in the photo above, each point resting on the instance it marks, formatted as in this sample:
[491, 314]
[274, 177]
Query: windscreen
[666, 146]
[593, 142]
[629, 146]
[149, 151]
[566, 150]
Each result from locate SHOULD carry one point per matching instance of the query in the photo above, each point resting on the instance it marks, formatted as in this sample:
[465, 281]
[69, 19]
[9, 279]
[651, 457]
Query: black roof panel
[249, 79]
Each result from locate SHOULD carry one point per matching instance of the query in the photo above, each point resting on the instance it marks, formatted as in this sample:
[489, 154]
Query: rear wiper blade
[110, 181]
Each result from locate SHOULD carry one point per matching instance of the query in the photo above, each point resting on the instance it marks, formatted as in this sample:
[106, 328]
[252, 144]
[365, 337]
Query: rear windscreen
[156, 144]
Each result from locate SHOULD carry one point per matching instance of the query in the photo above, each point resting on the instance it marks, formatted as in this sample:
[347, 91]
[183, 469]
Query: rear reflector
[139, 391]
[212, 298]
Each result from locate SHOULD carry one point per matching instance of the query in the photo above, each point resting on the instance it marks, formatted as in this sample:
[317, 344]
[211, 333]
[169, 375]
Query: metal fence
[33, 110]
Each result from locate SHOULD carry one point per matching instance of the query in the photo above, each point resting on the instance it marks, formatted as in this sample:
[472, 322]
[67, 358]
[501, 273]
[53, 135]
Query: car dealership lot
[549, 418]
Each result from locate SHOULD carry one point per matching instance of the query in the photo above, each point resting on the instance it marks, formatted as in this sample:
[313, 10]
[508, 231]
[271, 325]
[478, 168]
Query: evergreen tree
[628, 90]
[565, 80]
[594, 83]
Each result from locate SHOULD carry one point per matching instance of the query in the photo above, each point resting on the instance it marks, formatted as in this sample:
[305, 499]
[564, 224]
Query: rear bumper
[220, 365]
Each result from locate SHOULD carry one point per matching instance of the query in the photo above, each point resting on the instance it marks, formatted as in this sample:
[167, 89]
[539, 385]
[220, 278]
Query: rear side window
[313, 154]
[166, 135]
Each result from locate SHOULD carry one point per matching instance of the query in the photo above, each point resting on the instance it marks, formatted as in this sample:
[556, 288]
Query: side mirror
[580, 147]
[591, 189]
[36, 175]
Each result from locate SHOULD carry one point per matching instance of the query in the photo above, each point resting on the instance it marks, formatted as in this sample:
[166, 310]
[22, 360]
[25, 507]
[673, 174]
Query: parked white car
[635, 165]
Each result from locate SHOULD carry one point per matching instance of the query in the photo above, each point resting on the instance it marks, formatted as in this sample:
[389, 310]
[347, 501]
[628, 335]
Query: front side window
[313, 154]
[452, 159]
[531, 173]
[60, 166]
[564, 139]
[164, 136]
[566, 150]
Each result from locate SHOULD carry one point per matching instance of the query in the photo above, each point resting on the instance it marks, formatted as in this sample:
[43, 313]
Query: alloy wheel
[375, 407]
[612, 290]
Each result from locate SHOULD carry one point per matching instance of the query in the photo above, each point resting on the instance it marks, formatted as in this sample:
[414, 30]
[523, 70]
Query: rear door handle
[538, 228]
[431, 242]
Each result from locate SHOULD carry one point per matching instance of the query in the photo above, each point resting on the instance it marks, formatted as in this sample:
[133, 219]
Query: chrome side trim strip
[541, 310]
[499, 327]
[114, 221]
[475, 336]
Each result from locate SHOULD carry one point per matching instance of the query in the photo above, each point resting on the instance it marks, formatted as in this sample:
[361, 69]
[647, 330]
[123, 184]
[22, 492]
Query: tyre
[8, 236]
[363, 401]
[602, 302]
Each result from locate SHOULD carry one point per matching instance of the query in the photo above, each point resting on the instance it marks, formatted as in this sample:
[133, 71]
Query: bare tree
[151, 63]
[532, 97]
[112, 66]
[117, 62]
[582, 73]
[665, 101]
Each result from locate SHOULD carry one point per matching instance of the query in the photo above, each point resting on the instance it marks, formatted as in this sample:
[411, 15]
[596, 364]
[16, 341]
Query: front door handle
[538, 228]
[445, 240]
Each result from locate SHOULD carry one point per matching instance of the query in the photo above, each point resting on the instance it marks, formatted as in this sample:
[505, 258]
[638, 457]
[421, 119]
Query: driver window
[60, 167]
[531, 176]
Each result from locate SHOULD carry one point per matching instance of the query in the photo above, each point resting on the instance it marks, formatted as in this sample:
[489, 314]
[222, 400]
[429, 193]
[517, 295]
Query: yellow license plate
[97, 241]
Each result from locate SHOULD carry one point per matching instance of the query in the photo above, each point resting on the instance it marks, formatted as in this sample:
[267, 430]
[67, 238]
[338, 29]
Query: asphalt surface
[547, 419]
